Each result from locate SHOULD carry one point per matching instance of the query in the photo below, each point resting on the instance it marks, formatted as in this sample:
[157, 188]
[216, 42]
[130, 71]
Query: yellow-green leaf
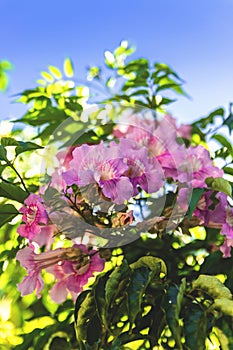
[56, 72]
[68, 68]
[212, 286]
[48, 77]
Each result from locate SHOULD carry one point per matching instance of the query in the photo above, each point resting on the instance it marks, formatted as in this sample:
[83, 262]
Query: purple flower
[34, 214]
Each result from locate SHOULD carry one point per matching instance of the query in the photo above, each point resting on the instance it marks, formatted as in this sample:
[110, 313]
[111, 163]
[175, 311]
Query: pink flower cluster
[145, 156]
[117, 169]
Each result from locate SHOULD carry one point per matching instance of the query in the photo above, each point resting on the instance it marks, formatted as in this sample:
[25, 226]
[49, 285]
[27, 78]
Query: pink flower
[227, 228]
[216, 216]
[226, 247]
[221, 216]
[46, 236]
[33, 281]
[101, 165]
[71, 276]
[71, 266]
[196, 167]
[34, 214]
[142, 171]
[185, 131]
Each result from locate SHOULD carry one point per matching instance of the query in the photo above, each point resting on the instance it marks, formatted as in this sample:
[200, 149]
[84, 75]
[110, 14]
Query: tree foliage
[169, 287]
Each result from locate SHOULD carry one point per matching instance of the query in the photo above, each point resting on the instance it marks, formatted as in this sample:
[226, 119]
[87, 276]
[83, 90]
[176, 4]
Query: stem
[20, 177]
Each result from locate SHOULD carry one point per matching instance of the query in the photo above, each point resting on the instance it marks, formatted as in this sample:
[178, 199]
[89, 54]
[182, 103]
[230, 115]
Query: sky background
[194, 37]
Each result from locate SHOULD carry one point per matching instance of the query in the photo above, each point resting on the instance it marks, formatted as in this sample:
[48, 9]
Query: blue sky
[194, 37]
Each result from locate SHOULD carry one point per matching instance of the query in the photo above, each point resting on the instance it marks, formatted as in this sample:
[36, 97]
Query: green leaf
[12, 191]
[8, 141]
[79, 301]
[229, 122]
[68, 68]
[166, 101]
[3, 154]
[173, 303]
[7, 213]
[228, 170]
[2, 167]
[227, 329]
[195, 328]
[26, 146]
[99, 289]
[56, 72]
[196, 195]
[73, 104]
[212, 286]
[219, 184]
[20, 145]
[224, 142]
[114, 283]
[224, 305]
[87, 325]
[156, 265]
[136, 289]
[164, 68]
[204, 122]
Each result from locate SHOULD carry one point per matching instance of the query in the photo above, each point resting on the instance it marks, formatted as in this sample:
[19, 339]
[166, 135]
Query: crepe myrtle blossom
[101, 165]
[71, 267]
[34, 214]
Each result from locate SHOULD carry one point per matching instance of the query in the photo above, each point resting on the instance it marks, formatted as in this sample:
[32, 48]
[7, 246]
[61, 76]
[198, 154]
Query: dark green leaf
[7, 213]
[12, 191]
[204, 122]
[228, 170]
[8, 141]
[173, 303]
[224, 142]
[26, 146]
[119, 274]
[3, 154]
[87, 320]
[196, 195]
[195, 324]
[136, 289]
